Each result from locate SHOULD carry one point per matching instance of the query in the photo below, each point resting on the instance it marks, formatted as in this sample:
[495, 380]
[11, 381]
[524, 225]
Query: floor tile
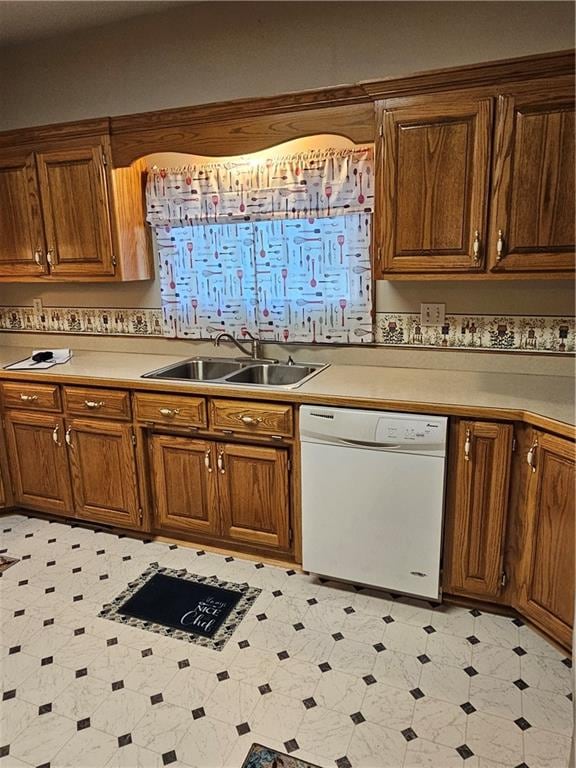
[447, 649]
[232, 701]
[546, 673]
[545, 749]
[42, 739]
[133, 756]
[373, 745]
[162, 727]
[277, 716]
[295, 678]
[15, 716]
[440, 722]
[446, 683]
[496, 697]
[494, 738]
[496, 661]
[397, 669]
[206, 744]
[310, 645]
[325, 732]
[81, 697]
[340, 691]
[120, 712]
[88, 747]
[352, 657]
[387, 706]
[151, 675]
[421, 753]
[551, 711]
[45, 683]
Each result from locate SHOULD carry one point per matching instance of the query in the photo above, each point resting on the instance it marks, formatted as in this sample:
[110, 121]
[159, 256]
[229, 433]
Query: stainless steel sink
[200, 369]
[272, 375]
[257, 373]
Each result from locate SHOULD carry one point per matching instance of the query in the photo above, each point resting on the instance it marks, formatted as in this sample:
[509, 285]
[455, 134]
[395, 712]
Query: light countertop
[446, 391]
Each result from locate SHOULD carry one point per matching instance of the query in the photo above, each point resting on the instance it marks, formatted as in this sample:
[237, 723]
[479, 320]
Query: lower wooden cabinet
[477, 504]
[545, 572]
[103, 470]
[38, 461]
[253, 491]
[232, 491]
[184, 484]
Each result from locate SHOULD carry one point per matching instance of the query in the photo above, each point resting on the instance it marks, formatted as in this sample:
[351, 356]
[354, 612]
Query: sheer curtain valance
[280, 248]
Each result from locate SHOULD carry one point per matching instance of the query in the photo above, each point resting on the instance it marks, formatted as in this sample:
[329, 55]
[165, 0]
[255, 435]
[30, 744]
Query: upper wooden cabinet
[433, 170]
[437, 212]
[66, 215]
[532, 209]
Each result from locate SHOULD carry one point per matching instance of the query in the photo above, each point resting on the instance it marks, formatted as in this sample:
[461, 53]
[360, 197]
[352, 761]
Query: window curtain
[280, 248]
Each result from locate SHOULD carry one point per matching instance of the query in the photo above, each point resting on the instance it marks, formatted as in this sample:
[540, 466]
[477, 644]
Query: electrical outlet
[38, 306]
[432, 314]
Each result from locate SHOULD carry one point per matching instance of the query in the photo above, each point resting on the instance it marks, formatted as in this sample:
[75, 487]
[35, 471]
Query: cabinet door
[22, 250]
[74, 193]
[478, 478]
[103, 471]
[532, 214]
[183, 477]
[37, 461]
[254, 498]
[433, 168]
[546, 569]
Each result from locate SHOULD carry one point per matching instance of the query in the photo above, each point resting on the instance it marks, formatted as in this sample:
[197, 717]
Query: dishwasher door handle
[368, 443]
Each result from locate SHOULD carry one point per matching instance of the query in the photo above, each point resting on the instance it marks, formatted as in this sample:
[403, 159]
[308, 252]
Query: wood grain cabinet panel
[251, 417]
[38, 462]
[97, 403]
[432, 182]
[253, 490]
[175, 410]
[546, 568]
[532, 209]
[103, 471]
[183, 478]
[478, 483]
[22, 246]
[76, 211]
[28, 396]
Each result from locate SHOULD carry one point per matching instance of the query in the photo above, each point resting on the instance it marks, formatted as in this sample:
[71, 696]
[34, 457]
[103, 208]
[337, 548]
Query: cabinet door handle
[68, 437]
[55, 433]
[531, 455]
[207, 460]
[467, 446]
[28, 398]
[221, 468]
[250, 419]
[476, 246]
[38, 256]
[50, 256]
[500, 245]
[94, 404]
[169, 411]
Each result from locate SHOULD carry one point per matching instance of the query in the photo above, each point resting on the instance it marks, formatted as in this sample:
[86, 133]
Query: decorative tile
[512, 333]
[83, 320]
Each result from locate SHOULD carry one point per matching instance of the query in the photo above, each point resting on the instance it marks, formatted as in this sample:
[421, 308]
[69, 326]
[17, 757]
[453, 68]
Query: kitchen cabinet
[183, 481]
[477, 506]
[532, 210]
[65, 215]
[432, 185]
[38, 462]
[254, 496]
[465, 185]
[103, 472]
[545, 569]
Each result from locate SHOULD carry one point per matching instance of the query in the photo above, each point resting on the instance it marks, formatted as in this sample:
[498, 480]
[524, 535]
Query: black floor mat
[185, 605]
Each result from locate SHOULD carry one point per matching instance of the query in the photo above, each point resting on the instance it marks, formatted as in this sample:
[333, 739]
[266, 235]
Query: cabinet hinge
[514, 444]
[114, 261]
[140, 515]
[290, 535]
[503, 579]
[289, 465]
[133, 438]
[104, 159]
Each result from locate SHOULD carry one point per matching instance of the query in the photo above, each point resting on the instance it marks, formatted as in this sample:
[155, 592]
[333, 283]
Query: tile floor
[335, 675]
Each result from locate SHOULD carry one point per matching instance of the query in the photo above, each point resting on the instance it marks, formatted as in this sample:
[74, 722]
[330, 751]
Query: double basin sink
[261, 373]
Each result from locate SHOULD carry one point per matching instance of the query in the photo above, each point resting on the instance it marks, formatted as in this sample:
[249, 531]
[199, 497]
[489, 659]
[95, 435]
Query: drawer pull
[28, 398]
[169, 411]
[55, 432]
[250, 419]
[94, 404]
[221, 468]
[207, 460]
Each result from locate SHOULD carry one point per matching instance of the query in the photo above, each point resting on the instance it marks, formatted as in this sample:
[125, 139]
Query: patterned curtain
[281, 248]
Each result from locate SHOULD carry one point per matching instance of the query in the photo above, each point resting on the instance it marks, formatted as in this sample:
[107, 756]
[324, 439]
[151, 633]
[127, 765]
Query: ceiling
[24, 20]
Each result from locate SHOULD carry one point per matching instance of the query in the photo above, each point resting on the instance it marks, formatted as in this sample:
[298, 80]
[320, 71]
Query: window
[280, 248]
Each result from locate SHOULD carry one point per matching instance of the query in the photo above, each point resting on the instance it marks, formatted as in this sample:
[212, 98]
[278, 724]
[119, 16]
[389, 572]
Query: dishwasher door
[373, 516]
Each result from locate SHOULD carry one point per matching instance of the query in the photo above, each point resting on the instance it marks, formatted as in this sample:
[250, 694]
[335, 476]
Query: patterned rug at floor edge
[266, 757]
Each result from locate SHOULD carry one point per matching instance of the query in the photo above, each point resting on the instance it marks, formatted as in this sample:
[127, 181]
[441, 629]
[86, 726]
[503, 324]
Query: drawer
[31, 397]
[251, 418]
[101, 403]
[179, 410]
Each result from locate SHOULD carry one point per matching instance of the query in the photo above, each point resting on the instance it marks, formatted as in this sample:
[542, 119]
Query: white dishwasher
[373, 497]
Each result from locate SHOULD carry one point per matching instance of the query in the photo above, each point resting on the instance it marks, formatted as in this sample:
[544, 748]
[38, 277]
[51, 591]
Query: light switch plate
[432, 314]
[38, 306]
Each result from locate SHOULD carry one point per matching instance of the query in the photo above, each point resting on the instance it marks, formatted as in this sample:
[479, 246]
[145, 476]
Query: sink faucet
[254, 351]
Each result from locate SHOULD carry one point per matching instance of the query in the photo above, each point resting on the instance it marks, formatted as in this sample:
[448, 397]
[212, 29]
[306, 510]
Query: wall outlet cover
[432, 314]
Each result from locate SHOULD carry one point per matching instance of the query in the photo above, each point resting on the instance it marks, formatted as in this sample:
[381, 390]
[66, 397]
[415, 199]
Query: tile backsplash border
[545, 334]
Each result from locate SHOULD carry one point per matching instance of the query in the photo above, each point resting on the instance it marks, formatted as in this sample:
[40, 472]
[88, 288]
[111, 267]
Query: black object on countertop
[199, 609]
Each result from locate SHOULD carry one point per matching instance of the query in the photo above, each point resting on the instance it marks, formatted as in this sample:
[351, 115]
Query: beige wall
[204, 52]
